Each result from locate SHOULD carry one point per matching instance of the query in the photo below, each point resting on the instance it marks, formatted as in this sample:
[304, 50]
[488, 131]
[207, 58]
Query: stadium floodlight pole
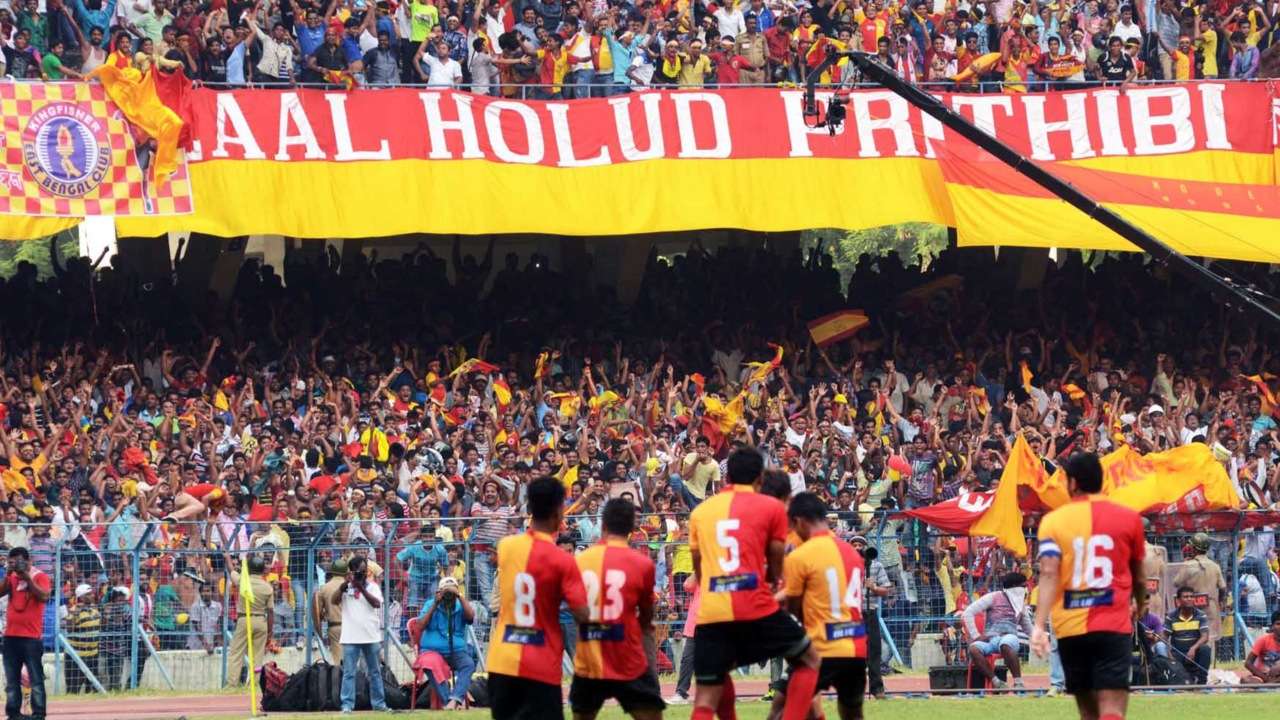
[873, 69]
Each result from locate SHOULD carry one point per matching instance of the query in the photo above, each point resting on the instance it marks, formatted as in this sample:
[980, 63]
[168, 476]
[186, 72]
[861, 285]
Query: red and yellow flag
[474, 365]
[837, 326]
[501, 392]
[760, 370]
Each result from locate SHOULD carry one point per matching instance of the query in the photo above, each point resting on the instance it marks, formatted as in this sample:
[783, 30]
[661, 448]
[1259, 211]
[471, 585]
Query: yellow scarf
[670, 69]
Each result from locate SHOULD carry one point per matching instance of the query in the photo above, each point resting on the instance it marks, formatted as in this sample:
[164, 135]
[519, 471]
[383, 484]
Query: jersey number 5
[729, 543]
[852, 594]
[1090, 569]
[614, 580]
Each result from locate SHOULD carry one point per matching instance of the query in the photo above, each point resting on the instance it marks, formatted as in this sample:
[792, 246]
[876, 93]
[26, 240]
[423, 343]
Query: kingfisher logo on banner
[68, 152]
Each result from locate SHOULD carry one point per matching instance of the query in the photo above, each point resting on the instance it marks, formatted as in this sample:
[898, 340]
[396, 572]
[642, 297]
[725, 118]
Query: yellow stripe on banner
[26, 227]
[377, 199]
[1207, 165]
[1060, 225]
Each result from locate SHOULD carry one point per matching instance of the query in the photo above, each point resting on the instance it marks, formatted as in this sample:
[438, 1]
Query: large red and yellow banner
[1193, 163]
[68, 153]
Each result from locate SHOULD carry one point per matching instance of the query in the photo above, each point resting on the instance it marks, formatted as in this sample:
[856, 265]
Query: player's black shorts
[587, 695]
[517, 698]
[1096, 661]
[723, 646]
[847, 676]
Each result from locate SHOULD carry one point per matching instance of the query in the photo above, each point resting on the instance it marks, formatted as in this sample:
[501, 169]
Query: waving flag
[837, 326]
[501, 392]
[760, 370]
[474, 365]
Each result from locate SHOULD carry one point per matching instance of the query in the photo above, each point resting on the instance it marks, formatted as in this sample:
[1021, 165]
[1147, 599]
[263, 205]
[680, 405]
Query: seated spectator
[444, 623]
[1005, 611]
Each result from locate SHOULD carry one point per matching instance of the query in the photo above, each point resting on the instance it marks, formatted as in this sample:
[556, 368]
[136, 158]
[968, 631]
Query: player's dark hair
[1184, 589]
[18, 551]
[619, 517]
[1086, 470]
[808, 507]
[1013, 580]
[745, 465]
[776, 484]
[1275, 617]
[546, 495]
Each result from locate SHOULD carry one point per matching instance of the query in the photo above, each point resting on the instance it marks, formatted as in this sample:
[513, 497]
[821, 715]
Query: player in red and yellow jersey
[612, 660]
[737, 539]
[1091, 549]
[823, 583]
[526, 645]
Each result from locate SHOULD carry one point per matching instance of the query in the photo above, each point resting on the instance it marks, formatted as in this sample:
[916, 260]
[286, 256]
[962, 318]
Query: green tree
[917, 244]
[36, 252]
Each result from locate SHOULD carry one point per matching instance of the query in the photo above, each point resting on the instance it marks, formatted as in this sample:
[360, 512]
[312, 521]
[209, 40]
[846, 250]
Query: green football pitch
[1222, 705]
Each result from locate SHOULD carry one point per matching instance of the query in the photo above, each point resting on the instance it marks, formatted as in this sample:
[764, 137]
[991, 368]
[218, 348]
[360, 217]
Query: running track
[231, 706]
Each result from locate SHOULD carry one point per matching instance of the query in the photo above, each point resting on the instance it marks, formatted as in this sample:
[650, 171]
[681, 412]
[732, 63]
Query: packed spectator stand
[394, 408]
[558, 49]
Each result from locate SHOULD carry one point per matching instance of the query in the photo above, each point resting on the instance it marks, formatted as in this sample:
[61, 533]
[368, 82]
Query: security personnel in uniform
[260, 614]
[328, 608]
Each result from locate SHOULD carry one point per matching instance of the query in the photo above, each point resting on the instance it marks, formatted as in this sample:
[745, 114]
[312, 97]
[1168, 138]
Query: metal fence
[150, 606]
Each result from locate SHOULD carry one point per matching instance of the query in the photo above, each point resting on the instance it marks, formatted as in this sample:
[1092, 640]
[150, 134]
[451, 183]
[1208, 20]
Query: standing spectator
[699, 474]
[425, 564]
[435, 67]
[117, 626]
[28, 590]
[578, 46]
[1187, 630]
[495, 526]
[444, 622]
[276, 64]
[382, 64]
[206, 621]
[84, 628]
[1244, 64]
[361, 600]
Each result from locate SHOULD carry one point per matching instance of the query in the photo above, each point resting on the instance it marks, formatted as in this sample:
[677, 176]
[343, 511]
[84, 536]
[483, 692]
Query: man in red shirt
[28, 591]
[729, 65]
[778, 41]
[738, 539]
[526, 645]
[612, 659]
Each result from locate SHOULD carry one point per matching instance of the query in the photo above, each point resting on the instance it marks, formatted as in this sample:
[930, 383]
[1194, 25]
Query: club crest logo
[65, 150]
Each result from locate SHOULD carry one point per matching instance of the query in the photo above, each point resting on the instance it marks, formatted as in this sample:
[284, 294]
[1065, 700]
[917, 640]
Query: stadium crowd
[395, 409]
[572, 49]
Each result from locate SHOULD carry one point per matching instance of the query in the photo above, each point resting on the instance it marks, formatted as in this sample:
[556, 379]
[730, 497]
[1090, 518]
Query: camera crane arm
[1235, 294]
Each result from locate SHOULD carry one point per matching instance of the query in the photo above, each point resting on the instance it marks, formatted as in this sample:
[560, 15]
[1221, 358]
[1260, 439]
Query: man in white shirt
[730, 20]
[361, 601]
[1126, 29]
[441, 70]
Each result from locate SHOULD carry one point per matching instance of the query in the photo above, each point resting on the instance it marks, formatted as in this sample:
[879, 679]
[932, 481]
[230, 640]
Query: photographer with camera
[28, 590]
[444, 623]
[877, 587]
[361, 600]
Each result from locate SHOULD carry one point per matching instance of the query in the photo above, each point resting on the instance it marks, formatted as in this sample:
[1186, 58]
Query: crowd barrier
[188, 615]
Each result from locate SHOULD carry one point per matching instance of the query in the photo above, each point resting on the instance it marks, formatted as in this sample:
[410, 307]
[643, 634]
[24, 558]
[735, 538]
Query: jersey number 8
[525, 590]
